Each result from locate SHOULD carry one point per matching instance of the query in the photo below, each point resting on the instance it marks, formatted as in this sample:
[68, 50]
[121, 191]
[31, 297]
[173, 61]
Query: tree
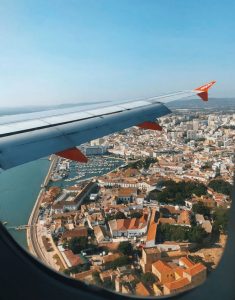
[78, 268]
[196, 259]
[197, 234]
[77, 244]
[217, 172]
[108, 284]
[125, 248]
[220, 217]
[96, 277]
[200, 208]
[120, 215]
[177, 192]
[136, 214]
[221, 186]
[148, 278]
[167, 232]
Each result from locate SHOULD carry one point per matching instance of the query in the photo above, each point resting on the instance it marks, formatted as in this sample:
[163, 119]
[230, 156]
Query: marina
[67, 173]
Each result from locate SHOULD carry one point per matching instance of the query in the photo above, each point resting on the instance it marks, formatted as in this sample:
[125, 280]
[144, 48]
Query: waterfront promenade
[34, 233]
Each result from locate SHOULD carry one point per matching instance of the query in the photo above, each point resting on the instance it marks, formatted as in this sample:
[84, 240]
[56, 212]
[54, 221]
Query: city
[154, 222]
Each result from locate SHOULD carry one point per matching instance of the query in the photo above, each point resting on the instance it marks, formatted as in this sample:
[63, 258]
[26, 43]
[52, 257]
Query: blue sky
[54, 51]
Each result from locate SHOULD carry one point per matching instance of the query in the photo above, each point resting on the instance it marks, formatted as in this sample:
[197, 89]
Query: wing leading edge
[35, 135]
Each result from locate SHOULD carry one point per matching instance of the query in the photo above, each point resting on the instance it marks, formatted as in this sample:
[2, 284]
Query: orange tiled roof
[184, 217]
[126, 224]
[198, 268]
[187, 262]
[161, 266]
[126, 191]
[76, 232]
[83, 275]
[72, 258]
[179, 271]
[141, 290]
[151, 232]
[111, 257]
[177, 284]
[166, 221]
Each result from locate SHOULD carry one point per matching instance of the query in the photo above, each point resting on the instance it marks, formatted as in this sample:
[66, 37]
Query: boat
[4, 223]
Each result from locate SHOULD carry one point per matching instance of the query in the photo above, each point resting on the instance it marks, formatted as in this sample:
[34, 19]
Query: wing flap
[73, 154]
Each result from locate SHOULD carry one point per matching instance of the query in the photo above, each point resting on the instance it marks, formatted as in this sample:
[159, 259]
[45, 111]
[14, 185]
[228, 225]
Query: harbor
[31, 179]
[67, 173]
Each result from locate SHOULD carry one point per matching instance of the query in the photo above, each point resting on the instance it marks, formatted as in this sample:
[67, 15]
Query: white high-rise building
[192, 134]
[195, 125]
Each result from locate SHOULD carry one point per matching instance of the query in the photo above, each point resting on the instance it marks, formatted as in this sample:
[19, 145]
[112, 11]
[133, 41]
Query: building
[196, 274]
[192, 134]
[128, 227]
[126, 194]
[184, 218]
[73, 260]
[110, 257]
[176, 286]
[94, 150]
[100, 233]
[151, 236]
[157, 291]
[141, 290]
[149, 256]
[163, 271]
[95, 219]
[76, 232]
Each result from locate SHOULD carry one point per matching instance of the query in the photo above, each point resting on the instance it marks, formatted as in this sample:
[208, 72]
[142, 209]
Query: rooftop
[194, 270]
[161, 266]
[141, 290]
[177, 284]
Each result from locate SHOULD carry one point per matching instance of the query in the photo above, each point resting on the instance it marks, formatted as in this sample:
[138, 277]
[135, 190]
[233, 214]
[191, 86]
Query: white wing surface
[30, 136]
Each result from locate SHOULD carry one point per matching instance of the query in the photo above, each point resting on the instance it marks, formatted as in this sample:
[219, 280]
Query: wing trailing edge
[203, 90]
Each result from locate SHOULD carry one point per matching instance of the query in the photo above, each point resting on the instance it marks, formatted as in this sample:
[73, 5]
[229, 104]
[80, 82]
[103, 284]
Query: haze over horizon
[85, 51]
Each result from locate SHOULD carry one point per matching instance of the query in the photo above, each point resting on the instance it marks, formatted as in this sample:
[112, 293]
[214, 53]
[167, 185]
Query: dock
[20, 227]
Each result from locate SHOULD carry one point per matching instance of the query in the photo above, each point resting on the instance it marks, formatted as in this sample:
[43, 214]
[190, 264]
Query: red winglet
[204, 90]
[150, 125]
[73, 154]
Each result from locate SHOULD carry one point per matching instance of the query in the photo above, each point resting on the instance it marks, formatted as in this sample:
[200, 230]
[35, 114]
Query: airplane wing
[27, 137]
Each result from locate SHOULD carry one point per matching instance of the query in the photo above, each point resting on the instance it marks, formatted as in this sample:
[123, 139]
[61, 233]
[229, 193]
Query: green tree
[120, 215]
[200, 208]
[77, 269]
[136, 214]
[96, 278]
[196, 259]
[119, 262]
[221, 186]
[109, 284]
[221, 216]
[167, 232]
[125, 248]
[177, 192]
[77, 244]
[197, 234]
[148, 278]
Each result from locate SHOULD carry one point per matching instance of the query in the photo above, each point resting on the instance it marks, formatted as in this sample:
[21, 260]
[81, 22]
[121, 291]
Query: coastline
[34, 230]
[31, 230]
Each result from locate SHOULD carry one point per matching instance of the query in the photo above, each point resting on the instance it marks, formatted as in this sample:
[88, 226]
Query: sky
[57, 51]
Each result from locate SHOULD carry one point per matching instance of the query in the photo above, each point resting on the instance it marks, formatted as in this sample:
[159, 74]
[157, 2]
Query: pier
[20, 227]
[54, 160]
